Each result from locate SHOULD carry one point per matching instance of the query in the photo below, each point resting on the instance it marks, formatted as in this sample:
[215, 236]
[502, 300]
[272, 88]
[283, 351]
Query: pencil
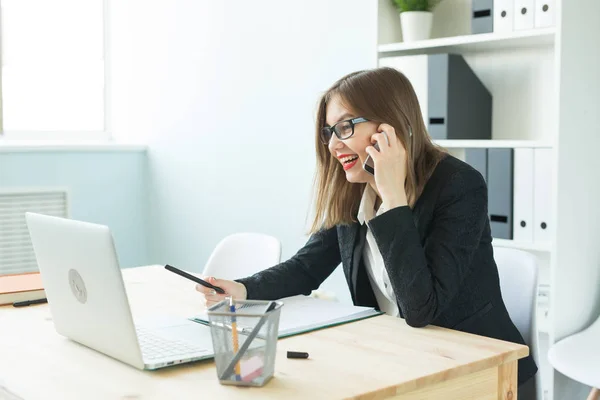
[234, 334]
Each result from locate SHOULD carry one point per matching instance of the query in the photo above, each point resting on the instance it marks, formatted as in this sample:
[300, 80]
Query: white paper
[303, 313]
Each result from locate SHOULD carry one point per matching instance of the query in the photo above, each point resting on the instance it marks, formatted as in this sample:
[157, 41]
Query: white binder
[542, 195]
[524, 14]
[416, 69]
[523, 195]
[544, 13]
[503, 15]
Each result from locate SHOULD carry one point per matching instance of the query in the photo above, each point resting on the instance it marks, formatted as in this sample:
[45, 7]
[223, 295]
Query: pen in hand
[194, 278]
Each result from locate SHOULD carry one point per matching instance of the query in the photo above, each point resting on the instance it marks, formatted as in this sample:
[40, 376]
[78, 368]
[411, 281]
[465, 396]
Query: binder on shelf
[543, 15]
[542, 195]
[477, 158]
[500, 192]
[454, 102]
[459, 105]
[482, 18]
[523, 195]
[524, 14]
[503, 15]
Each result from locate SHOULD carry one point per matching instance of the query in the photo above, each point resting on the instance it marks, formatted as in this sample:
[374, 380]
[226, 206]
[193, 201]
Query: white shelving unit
[486, 144]
[536, 247]
[472, 43]
[545, 84]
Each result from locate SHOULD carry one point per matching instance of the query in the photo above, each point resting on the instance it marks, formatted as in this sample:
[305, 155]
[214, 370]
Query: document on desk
[301, 314]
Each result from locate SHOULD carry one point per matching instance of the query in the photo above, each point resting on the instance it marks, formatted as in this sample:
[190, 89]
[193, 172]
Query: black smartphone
[194, 278]
[368, 165]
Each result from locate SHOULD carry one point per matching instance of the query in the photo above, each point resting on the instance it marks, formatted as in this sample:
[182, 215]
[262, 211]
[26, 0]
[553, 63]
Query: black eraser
[297, 354]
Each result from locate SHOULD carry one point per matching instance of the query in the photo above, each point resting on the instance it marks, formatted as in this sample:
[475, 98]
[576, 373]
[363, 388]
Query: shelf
[469, 144]
[540, 247]
[471, 43]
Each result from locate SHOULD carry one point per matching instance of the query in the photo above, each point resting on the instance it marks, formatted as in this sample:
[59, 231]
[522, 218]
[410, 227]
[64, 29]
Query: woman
[414, 238]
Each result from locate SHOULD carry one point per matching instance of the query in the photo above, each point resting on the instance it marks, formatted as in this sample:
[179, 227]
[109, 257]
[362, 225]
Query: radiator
[16, 251]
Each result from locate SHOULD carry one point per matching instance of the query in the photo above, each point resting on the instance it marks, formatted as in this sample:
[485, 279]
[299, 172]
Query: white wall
[105, 186]
[224, 93]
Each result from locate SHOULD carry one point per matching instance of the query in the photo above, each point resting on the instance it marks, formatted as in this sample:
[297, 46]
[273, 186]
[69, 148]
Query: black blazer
[438, 256]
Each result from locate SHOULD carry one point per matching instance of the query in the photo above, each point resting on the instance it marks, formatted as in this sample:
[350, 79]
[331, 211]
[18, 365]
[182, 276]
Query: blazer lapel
[352, 242]
[357, 255]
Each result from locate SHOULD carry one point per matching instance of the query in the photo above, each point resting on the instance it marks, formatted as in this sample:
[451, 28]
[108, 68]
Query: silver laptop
[88, 302]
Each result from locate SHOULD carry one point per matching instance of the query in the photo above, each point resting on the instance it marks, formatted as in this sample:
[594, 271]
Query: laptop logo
[77, 286]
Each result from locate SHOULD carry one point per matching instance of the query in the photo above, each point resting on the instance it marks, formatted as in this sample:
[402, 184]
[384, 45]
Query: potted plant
[415, 18]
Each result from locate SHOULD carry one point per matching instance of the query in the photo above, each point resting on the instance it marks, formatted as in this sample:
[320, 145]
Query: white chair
[578, 357]
[243, 254]
[518, 272]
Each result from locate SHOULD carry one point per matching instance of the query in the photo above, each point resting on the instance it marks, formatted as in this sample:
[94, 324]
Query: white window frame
[70, 136]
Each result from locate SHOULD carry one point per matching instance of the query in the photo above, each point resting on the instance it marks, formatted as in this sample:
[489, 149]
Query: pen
[234, 335]
[297, 354]
[194, 278]
[29, 302]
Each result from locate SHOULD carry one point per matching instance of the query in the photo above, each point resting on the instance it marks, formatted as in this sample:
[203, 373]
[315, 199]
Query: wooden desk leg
[594, 394]
[507, 381]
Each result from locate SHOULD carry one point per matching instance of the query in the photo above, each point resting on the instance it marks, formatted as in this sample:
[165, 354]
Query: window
[53, 71]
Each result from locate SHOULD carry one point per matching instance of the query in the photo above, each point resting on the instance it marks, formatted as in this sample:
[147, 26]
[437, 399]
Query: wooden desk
[377, 358]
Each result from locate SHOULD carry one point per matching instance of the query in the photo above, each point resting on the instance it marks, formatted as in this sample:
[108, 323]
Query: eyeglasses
[343, 129]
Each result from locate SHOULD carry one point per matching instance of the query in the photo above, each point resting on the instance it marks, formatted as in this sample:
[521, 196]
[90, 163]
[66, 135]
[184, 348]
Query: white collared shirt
[378, 276]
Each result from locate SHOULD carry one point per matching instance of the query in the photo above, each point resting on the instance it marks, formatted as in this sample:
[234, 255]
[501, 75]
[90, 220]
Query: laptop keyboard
[155, 347]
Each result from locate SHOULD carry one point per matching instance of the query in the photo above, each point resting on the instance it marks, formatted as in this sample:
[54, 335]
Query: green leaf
[415, 5]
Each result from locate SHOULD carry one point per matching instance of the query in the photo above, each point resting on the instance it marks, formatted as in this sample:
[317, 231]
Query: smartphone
[368, 165]
[194, 278]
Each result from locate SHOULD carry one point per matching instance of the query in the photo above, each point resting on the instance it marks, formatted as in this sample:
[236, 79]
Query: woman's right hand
[231, 288]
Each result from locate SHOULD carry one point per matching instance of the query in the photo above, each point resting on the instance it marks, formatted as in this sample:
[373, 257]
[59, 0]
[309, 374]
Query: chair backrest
[518, 272]
[243, 254]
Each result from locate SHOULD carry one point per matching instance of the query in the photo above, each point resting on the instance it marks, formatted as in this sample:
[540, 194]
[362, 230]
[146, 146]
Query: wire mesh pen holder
[244, 336]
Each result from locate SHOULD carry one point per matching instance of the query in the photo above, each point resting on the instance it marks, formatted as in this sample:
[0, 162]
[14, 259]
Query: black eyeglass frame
[330, 130]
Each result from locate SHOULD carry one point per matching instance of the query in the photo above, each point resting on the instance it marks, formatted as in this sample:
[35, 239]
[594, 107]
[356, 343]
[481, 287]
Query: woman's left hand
[390, 166]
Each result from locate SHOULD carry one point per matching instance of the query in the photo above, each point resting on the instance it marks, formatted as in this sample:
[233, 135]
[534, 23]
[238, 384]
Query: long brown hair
[383, 95]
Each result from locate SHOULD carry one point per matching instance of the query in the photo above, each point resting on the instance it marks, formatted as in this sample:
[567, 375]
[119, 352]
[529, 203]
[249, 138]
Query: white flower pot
[416, 25]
